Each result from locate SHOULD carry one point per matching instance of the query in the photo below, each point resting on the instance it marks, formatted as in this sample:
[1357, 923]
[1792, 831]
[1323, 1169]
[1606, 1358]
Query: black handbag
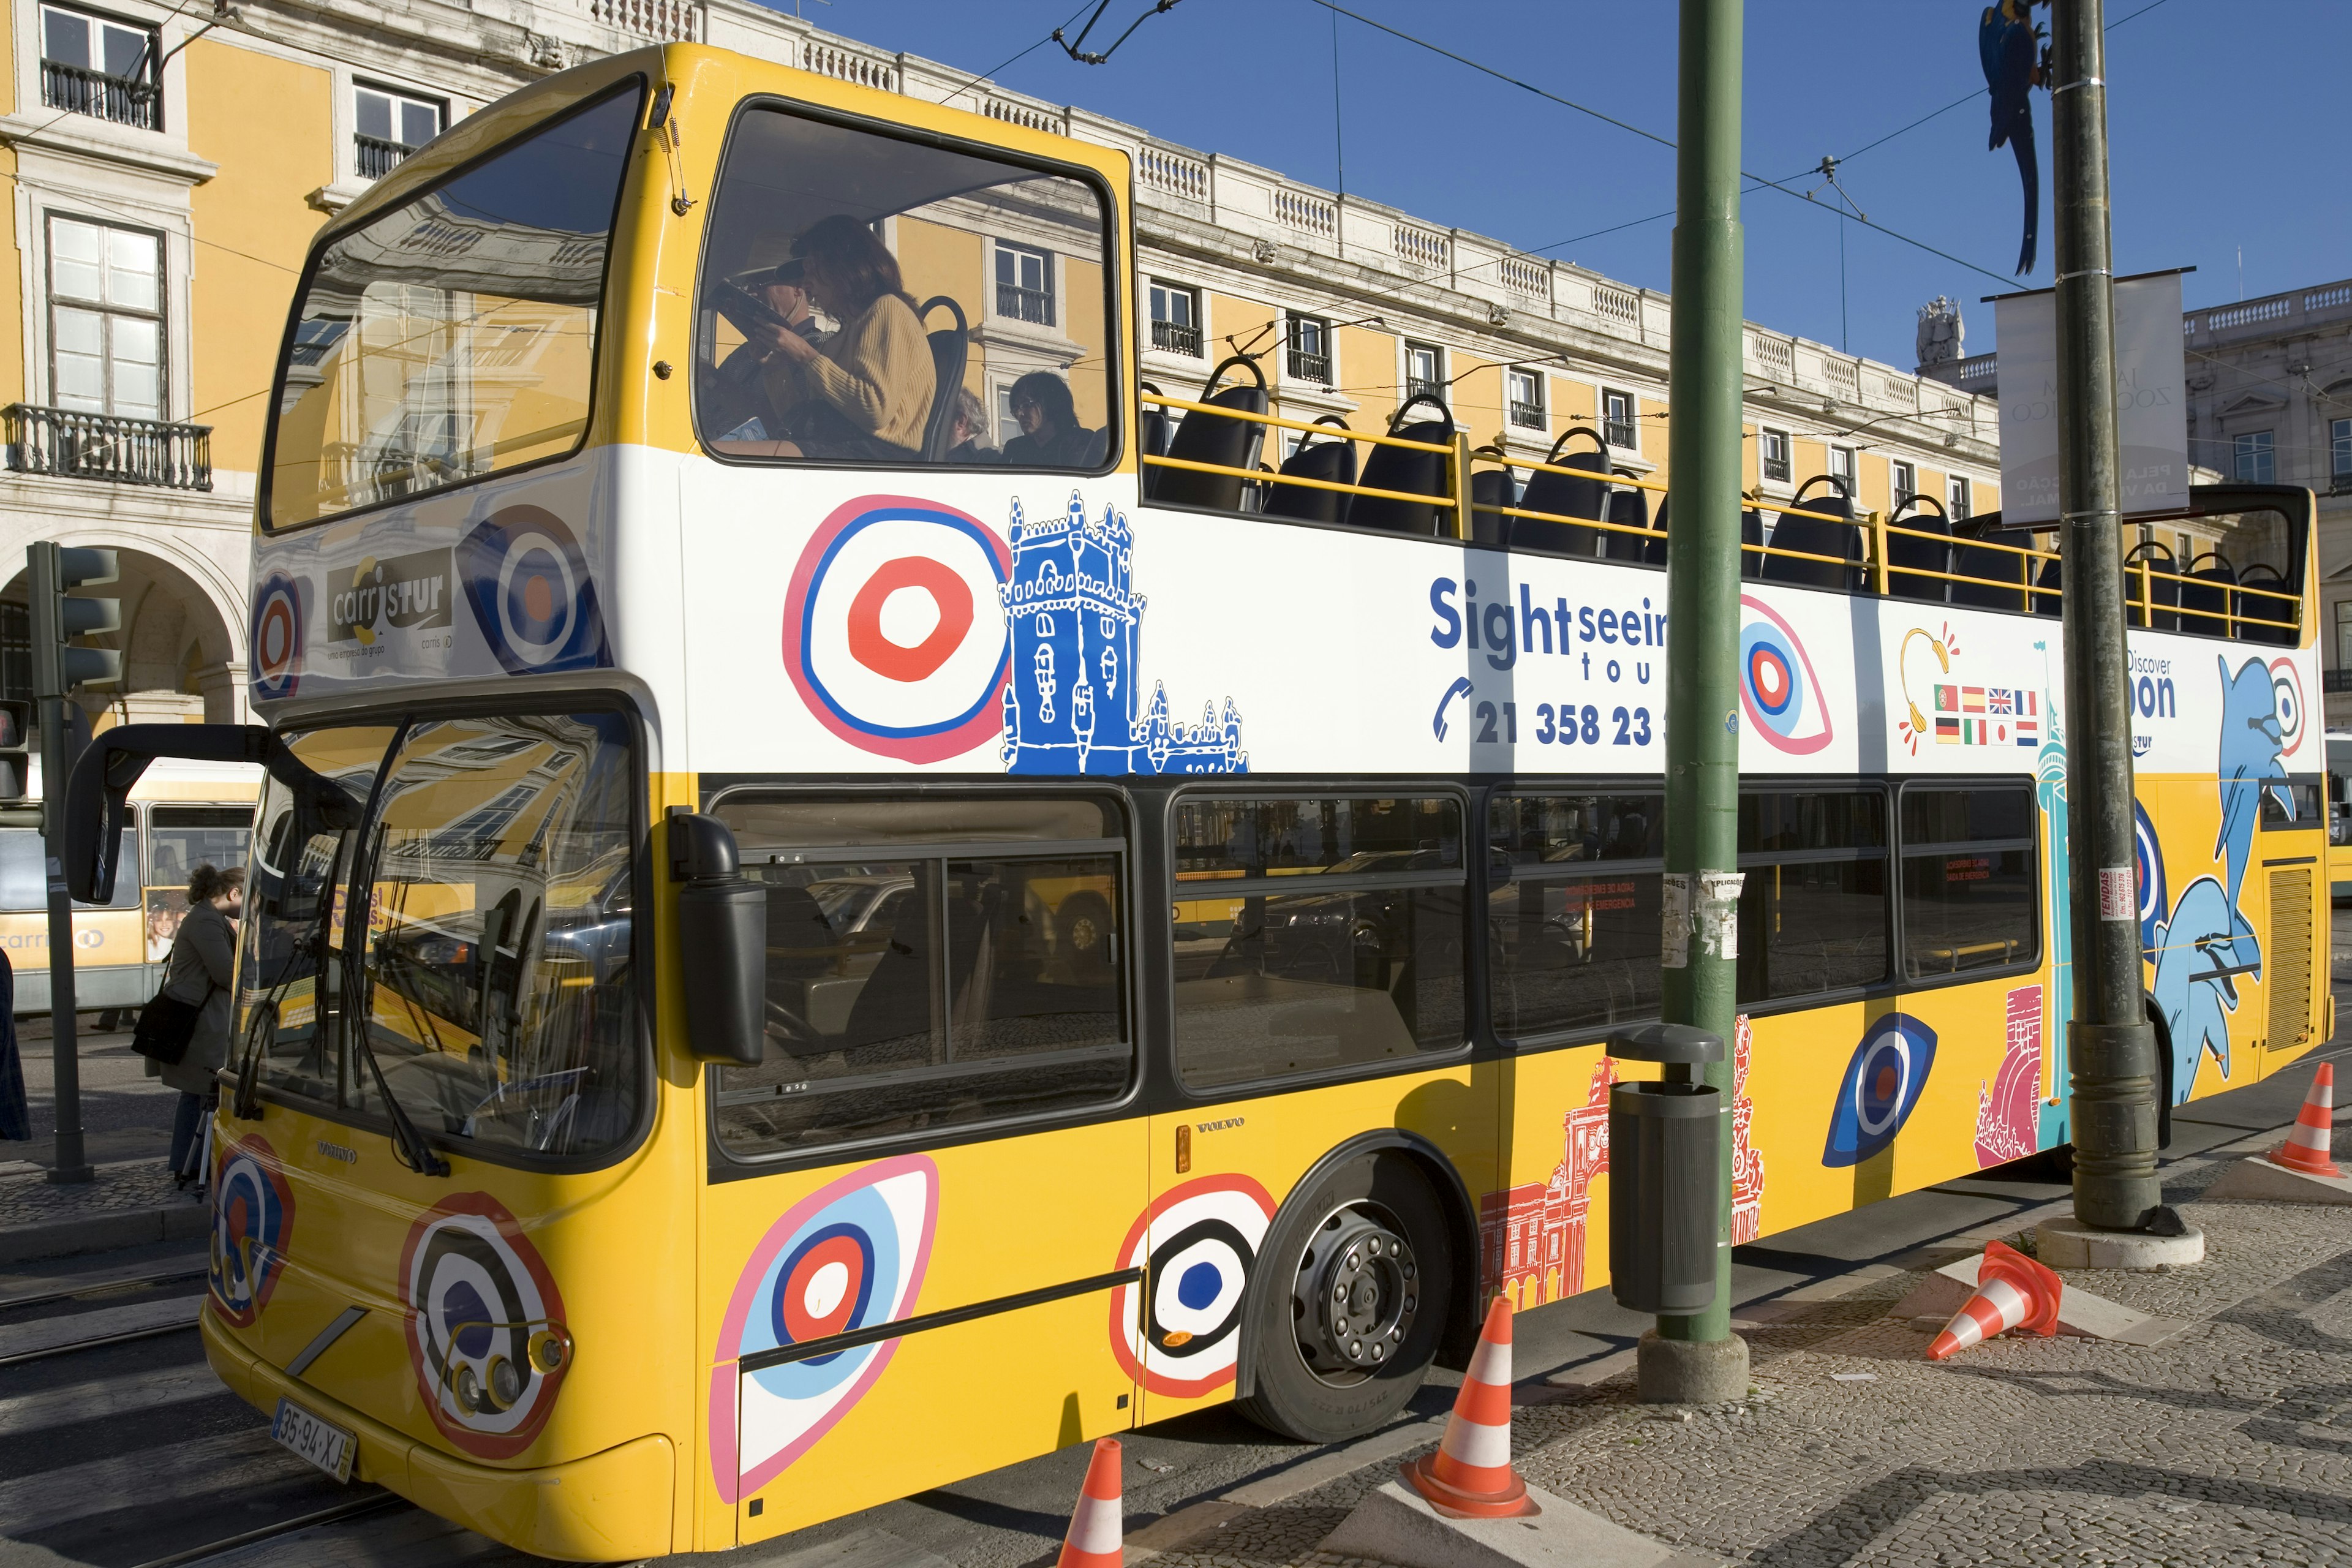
[166, 1024]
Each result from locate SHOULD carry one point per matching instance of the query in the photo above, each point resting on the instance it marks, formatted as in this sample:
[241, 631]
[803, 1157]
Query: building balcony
[108, 447]
[1176, 338]
[377, 156]
[126, 100]
[2336, 680]
[1529, 416]
[1031, 305]
[1314, 367]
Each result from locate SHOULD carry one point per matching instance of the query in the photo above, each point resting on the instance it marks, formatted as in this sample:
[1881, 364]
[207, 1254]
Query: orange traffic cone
[1470, 1475]
[1096, 1529]
[2308, 1141]
[2013, 1292]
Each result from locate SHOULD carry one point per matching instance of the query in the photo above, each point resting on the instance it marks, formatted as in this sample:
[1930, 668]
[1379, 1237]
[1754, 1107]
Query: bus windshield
[489, 963]
[455, 335]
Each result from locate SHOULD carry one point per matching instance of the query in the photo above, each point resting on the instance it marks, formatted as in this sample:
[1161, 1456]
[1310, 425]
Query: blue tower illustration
[1076, 622]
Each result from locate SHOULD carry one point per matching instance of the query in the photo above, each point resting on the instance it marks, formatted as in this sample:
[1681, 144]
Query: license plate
[323, 1443]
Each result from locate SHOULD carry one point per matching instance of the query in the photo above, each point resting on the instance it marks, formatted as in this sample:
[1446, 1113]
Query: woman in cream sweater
[863, 395]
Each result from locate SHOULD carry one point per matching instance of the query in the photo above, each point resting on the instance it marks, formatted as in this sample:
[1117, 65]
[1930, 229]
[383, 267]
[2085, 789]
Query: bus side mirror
[723, 941]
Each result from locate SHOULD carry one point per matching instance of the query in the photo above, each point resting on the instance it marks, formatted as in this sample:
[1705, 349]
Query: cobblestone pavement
[2230, 1444]
[28, 1197]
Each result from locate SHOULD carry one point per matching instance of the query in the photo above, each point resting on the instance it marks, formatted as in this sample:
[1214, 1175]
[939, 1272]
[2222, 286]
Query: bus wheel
[1085, 923]
[1368, 1267]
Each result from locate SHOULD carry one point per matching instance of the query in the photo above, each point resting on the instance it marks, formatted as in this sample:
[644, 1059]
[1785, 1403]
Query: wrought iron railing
[1308, 366]
[1531, 415]
[2336, 680]
[126, 100]
[1024, 304]
[109, 446]
[1176, 338]
[1621, 433]
[378, 156]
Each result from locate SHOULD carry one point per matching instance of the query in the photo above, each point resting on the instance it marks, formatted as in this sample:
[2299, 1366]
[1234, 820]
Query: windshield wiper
[408, 1144]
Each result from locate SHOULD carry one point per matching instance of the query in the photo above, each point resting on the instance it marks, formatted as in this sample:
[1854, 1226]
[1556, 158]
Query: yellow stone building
[165, 168]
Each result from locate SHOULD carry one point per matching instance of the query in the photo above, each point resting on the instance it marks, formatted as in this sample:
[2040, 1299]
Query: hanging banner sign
[2151, 417]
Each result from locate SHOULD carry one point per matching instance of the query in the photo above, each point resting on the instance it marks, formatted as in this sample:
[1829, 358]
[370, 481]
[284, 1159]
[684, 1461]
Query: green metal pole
[2111, 1044]
[1696, 1359]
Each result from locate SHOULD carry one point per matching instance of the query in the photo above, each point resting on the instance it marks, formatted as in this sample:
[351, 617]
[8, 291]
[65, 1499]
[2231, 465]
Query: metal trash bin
[1665, 1173]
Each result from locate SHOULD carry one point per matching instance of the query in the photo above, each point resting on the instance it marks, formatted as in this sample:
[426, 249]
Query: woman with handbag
[193, 1008]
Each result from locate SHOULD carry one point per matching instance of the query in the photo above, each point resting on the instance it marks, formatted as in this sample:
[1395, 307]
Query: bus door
[936, 1140]
[1319, 946]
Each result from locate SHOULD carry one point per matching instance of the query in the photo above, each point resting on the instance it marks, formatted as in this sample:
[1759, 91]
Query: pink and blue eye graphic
[532, 593]
[849, 1256]
[1778, 689]
[2148, 864]
[1882, 1085]
[894, 632]
[2286, 687]
[279, 621]
[253, 1221]
[1178, 1332]
[484, 1325]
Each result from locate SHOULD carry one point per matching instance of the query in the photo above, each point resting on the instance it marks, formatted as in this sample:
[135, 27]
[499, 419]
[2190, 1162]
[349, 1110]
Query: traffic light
[18, 735]
[59, 664]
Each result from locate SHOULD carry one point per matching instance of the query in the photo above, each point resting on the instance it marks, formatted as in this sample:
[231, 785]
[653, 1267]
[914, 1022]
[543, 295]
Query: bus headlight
[550, 1349]
[505, 1383]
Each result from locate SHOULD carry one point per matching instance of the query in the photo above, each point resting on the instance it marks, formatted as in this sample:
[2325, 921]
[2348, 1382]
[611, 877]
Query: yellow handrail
[1337, 432]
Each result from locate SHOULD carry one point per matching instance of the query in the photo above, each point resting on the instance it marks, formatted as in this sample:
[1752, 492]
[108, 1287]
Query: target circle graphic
[2147, 867]
[252, 1223]
[2286, 691]
[1777, 688]
[894, 628]
[850, 1255]
[1178, 1332]
[480, 1298]
[1881, 1087]
[527, 583]
[277, 636]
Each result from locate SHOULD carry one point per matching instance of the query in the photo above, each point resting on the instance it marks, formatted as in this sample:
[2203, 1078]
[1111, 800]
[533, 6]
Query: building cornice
[81, 138]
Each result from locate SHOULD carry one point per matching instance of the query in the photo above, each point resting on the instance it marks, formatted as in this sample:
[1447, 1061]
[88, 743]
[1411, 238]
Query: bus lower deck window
[1970, 892]
[1814, 909]
[1573, 910]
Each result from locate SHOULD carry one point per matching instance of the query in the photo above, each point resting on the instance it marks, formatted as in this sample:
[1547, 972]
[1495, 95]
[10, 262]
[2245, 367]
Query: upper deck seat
[2162, 612]
[1654, 550]
[1817, 536]
[1414, 473]
[1995, 579]
[1214, 438]
[2254, 608]
[1152, 427]
[1332, 459]
[1751, 542]
[1628, 508]
[2205, 595]
[1489, 490]
[1561, 496]
[1908, 556]
[950, 346]
[2050, 588]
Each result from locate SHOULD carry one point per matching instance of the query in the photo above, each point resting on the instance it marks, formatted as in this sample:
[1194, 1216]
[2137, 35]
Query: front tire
[1349, 1317]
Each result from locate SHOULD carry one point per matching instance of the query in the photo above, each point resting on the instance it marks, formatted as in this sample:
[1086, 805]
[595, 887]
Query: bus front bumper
[607, 1506]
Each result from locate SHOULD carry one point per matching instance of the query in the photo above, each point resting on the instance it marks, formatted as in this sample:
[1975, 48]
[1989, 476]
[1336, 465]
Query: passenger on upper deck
[964, 443]
[865, 395]
[1051, 436]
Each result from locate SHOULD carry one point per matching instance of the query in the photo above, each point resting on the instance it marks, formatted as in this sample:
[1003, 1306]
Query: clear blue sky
[2225, 119]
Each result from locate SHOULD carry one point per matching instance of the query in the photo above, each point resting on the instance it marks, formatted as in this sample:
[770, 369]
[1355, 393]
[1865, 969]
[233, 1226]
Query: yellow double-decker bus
[764, 990]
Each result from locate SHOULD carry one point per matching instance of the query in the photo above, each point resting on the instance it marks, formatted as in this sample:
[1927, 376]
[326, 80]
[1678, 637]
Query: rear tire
[1349, 1315]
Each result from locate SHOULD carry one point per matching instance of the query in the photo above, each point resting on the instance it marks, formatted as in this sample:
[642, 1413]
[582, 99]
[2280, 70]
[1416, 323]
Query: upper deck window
[843, 278]
[455, 335]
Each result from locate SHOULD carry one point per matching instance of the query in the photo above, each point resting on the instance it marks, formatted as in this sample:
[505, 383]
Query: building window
[1024, 284]
[1772, 456]
[1310, 350]
[2343, 634]
[106, 319]
[93, 65]
[1523, 390]
[1619, 424]
[1424, 370]
[1175, 319]
[2339, 453]
[2256, 455]
[391, 125]
[1842, 464]
[1955, 497]
[1902, 482]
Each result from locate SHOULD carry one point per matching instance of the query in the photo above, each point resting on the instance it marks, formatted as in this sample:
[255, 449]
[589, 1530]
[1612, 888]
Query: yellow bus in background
[182, 815]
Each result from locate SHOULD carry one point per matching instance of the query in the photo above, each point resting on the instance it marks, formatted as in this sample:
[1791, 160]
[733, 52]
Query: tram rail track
[101, 1286]
[48, 1337]
[354, 1508]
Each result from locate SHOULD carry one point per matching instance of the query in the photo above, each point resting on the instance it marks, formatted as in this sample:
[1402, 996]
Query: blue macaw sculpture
[2008, 46]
